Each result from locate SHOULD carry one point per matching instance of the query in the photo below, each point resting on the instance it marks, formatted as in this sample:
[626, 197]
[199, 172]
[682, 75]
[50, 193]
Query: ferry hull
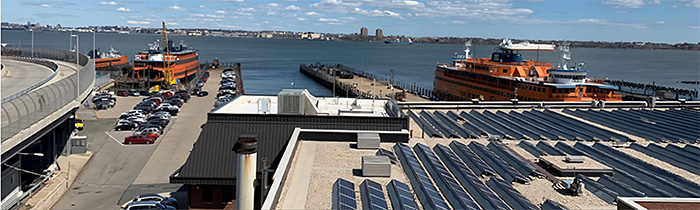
[452, 84]
[110, 63]
[183, 67]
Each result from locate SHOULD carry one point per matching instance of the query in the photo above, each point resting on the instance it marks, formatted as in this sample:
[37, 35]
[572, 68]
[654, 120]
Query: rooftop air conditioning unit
[290, 102]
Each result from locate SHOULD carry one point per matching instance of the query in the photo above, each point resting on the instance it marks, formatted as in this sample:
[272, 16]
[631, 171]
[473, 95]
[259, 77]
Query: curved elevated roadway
[22, 75]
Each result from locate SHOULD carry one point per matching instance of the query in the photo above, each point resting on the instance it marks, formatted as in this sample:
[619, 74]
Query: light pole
[32, 42]
[94, 56]
[77, 66]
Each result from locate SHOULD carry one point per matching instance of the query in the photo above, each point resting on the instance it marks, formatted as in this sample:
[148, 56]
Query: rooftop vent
[573, 159]
[376, 166]
[291, 102]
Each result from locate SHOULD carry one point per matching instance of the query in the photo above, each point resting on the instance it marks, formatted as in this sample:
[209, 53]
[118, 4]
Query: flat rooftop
[308, 105]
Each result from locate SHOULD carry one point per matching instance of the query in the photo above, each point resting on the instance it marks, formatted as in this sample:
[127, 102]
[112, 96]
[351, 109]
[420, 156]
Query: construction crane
[167, 73]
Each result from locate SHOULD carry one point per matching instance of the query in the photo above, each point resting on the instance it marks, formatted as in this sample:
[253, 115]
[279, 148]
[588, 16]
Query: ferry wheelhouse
[507, 76]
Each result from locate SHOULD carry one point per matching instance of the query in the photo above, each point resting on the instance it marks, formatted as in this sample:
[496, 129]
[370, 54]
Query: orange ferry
[108, 61]
[507, 76]
[183, 62]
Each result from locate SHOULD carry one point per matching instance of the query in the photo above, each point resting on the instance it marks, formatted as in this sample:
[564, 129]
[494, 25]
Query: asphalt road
[22, 75]
[117, 172]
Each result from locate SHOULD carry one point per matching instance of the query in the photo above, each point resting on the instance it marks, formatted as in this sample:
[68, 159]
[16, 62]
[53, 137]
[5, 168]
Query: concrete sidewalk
[70, 166]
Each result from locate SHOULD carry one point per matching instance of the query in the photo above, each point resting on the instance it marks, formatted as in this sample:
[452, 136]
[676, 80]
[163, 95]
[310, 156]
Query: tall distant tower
[364, 31]
[379, 33]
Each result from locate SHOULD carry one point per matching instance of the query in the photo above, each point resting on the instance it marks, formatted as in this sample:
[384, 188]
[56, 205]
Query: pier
[350, 82]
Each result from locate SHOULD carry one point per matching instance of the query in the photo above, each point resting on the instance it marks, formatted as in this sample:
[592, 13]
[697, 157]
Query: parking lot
[117, 172]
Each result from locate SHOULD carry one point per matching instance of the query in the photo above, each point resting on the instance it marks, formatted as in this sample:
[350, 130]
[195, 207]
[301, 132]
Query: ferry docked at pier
[507, 76]
[169, 65]
[110, 60]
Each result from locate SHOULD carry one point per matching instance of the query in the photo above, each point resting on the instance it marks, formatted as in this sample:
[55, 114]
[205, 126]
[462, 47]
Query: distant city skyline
[607, 20]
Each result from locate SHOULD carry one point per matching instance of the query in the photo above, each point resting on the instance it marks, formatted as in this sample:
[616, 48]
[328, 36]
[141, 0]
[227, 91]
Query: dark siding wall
[10, 178]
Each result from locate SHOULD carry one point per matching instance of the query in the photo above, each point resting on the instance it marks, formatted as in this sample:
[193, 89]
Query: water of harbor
[269, 65]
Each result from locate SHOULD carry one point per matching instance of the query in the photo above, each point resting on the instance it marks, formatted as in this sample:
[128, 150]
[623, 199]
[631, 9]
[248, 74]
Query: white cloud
[695, 27]
[122, 9]
[249, 9]
[630, 4]
[312, 13]
[302, 19]
[608, 23]
[138, 22]
[220, 12]
[45, 5]
[176, 7]
[458, 22]
[229, 0]
[273, 4]
[497, 10]
[328, 20]
[108, 3]
[173, 23]
[693, 3]
[202, 6]
[660, 22]
[377, 13]
[292, 7]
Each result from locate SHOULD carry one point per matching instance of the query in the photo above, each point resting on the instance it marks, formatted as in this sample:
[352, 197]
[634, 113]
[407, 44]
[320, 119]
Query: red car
[138, 139]
[150, 135]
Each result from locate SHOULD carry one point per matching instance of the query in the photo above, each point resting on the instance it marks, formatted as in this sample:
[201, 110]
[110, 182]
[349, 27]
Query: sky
[666, 21]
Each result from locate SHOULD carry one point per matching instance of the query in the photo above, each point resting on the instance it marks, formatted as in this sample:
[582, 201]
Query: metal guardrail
[22, 111]
[50, 64]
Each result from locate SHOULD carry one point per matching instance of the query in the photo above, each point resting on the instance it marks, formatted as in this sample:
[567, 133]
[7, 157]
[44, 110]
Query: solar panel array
[401, 196]
[486, 198]
[458, 198]
[598, 189]
[373, 196]
[344, 195]
[673, 155]
[427, 193]
[504, 169]
[517, 163]
[655, 125]
[511, 196]
[476, 164]
[532, 124]
[633, 173]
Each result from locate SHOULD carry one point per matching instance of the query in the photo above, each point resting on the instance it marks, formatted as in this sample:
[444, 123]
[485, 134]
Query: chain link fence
[19, 111]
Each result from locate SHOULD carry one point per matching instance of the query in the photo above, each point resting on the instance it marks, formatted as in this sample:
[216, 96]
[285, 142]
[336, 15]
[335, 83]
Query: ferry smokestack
[246, 149]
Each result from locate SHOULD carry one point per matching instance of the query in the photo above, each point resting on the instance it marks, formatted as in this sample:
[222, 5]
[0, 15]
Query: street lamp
[32, 42]
[77, 65]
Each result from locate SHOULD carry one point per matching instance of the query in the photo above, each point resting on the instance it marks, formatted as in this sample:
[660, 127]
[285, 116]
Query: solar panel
[427, 193]
[551, 205]
[511, 196]
[372, 196]
[344, 195]
[447, 184]
[498, 164]
[518, 164]
[598, 189]
[477, 189]
[401, 196]
[384, 152]
[472, 160]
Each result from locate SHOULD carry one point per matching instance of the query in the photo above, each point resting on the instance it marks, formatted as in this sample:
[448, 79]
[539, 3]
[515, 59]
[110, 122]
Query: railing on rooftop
[20, 111]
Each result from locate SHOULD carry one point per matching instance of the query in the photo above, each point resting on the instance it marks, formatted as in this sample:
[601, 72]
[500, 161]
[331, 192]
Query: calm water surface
[269, 65]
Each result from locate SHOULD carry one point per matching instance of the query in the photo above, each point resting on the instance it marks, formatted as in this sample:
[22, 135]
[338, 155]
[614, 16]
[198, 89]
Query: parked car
[168, 201]
[175, 102]
[151, 129]
[122, 93]
[138, 139]
[196, 91]
[136, 119]
[202, 93]
[79, 124]
[151, 205]
[144, 93]
[97, 98]
[133, 112]
[133, 92]
[126, 126]
[168, 107]
[158, 121]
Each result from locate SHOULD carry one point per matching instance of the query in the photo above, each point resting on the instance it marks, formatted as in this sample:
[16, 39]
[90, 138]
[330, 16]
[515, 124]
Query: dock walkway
[362, 84]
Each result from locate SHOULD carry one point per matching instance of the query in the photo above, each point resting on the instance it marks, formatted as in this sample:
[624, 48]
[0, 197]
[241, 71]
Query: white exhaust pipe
[246, 154]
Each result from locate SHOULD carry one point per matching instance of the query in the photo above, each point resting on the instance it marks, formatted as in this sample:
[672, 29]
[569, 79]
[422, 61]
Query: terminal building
[331, 153]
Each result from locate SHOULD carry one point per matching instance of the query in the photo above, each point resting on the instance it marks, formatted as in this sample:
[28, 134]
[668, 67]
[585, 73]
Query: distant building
[364, 31]
[379, 33]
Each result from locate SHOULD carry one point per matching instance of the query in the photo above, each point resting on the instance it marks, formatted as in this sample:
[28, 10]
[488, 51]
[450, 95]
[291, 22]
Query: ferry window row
[597, 90]
[533, 88]
[487, 90]
[568, 76]
[564, 90]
